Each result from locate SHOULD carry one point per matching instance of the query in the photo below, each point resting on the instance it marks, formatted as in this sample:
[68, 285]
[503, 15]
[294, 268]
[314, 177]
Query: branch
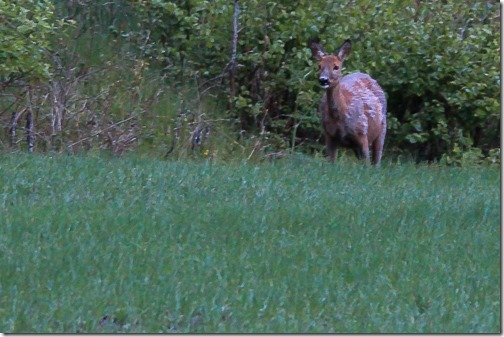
[232, 62]
[101, 131]
[230, 68]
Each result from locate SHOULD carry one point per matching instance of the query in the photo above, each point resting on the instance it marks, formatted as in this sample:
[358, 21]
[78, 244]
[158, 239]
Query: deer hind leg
[362, 148]
[378, 148]
[357, 152]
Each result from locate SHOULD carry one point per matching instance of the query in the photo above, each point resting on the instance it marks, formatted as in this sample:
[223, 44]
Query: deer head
[329, 65]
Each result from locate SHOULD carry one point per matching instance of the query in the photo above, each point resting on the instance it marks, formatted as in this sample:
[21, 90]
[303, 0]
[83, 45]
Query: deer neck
[332, 103]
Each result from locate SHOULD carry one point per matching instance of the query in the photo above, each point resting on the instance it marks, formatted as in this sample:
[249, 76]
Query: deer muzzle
[324, 82]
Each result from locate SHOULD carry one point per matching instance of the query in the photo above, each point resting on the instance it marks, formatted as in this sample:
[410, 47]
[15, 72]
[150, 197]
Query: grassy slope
[295, 246]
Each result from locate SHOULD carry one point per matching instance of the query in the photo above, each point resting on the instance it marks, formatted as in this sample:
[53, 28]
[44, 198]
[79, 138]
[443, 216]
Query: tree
[26, 27]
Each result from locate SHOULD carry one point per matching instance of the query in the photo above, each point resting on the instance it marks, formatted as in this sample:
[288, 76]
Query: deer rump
[360, 111]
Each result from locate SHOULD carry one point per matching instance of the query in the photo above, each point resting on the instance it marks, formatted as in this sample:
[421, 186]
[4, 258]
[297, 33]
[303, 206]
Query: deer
[353, 108]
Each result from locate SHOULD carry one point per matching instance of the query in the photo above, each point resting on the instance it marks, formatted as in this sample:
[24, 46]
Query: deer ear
[344, 49]
[317, 50]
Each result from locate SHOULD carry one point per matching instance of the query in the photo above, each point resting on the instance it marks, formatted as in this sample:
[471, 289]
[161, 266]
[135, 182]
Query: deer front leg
[332, 151]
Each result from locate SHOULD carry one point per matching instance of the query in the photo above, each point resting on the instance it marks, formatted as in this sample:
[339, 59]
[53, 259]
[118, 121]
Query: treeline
[221, 78]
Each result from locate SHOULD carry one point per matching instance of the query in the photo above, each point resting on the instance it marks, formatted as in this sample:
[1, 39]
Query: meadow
[105, 244]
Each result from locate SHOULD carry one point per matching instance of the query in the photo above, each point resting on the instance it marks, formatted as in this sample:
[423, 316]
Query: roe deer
[353, 108]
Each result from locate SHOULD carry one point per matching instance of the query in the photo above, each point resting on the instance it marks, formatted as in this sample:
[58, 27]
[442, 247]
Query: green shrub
[437, 61]
[25, 31]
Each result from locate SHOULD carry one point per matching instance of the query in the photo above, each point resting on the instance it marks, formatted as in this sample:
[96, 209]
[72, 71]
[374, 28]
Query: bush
[438, 63]
[25, 31]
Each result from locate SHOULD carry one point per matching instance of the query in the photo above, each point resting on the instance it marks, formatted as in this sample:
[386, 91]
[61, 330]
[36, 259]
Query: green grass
[95, 244]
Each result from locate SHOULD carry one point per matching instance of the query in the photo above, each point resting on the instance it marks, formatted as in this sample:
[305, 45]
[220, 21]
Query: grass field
[94, 244]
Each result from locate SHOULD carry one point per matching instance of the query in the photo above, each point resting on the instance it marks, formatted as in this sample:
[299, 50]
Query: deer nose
[324, 81]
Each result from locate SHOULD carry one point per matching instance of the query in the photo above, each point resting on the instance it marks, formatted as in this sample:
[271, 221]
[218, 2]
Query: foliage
[103, 95]
[26, 27]
[438, 62]
[90, 244]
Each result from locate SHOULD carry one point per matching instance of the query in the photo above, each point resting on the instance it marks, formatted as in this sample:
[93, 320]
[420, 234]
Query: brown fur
[353, 108]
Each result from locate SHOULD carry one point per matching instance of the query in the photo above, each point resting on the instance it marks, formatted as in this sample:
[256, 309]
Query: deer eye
[336, 68]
